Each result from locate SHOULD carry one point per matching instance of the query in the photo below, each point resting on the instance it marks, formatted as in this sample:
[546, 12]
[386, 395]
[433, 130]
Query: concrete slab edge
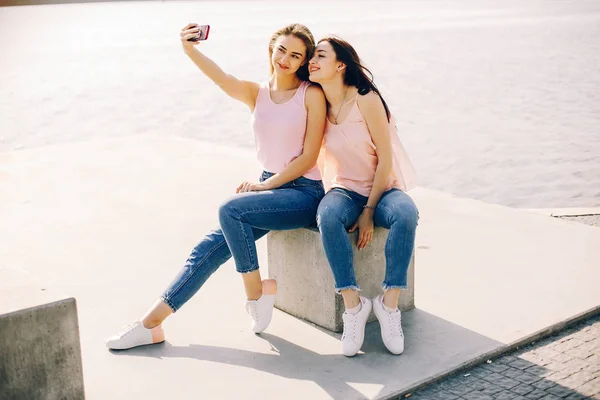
[45, 305]
[502, 350]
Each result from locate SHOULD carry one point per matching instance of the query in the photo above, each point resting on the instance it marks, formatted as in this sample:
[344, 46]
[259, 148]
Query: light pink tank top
[350, 161]
[279, 130]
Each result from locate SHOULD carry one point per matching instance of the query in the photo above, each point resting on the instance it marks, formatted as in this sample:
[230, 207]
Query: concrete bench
[305, 282]
[40, 354]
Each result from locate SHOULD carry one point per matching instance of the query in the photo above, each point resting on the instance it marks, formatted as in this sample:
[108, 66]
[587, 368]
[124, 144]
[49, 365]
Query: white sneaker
[391, 326]
[261, 311]
[135, 335]
[354, 328]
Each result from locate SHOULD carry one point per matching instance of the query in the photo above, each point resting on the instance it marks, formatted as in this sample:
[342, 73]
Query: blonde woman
[288, 118]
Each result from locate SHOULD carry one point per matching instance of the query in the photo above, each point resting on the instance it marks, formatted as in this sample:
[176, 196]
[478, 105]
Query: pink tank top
[279, 130]
[350, 161]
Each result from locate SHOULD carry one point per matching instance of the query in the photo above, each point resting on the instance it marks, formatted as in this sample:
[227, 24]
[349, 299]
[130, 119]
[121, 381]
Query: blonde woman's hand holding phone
[192, 34]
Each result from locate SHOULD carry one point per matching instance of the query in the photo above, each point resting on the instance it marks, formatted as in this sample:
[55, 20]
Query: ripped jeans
[396, 211]
[245, 218]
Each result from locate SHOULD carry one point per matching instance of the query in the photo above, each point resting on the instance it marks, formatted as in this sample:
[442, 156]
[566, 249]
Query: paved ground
[593, 220]
[563, 366]
[109, 222]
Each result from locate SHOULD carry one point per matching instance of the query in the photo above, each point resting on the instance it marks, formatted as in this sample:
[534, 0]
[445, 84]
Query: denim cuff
[169, 303]
[247, 271]
[388, 287]
[351, 287]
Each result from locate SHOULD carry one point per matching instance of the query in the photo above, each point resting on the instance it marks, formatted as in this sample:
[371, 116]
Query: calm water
[499, 102]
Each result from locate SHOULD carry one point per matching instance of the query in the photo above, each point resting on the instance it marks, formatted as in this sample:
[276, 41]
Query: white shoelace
[251, 308]
[349, 325]
[127, 329]
[395, 321]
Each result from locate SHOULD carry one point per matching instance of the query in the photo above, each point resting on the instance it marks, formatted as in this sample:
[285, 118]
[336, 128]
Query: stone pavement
[563, 366]
[593, 220]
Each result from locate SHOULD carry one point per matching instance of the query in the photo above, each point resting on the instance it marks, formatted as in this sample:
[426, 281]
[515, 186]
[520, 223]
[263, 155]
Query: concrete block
[40, 354]
[306, 288]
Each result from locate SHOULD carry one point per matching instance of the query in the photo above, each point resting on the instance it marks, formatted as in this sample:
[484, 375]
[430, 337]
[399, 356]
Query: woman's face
[324, 65]
[289, 54]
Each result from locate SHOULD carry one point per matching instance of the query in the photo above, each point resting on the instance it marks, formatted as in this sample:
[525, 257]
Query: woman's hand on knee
[251, 187]
[365, 227]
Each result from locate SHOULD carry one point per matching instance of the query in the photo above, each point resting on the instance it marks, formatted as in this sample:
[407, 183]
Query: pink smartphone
[203, 35]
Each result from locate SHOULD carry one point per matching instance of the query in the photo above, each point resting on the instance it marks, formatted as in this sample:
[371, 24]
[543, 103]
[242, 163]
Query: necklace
[341, 105]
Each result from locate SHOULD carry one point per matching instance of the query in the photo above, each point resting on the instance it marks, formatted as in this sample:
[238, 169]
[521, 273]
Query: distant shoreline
[11, 3]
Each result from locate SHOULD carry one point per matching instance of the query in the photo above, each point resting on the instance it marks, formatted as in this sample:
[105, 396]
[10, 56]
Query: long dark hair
[301, 32]
[355, 74]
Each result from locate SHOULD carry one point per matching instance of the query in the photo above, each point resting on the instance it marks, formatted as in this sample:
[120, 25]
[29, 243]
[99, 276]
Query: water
[499, 102]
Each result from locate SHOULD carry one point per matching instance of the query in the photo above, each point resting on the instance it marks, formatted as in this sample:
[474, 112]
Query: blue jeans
[245, 218]
[339, 210]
